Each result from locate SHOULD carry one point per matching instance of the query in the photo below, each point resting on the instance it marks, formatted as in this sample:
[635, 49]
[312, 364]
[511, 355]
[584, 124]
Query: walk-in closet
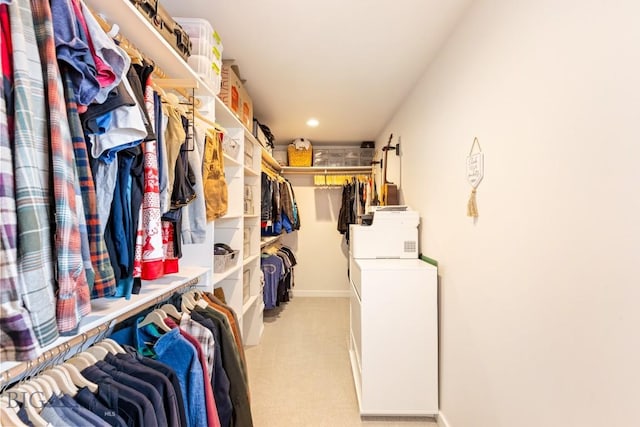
[319, 213]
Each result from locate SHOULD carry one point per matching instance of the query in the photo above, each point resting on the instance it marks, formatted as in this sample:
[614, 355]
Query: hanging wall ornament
[475, 172]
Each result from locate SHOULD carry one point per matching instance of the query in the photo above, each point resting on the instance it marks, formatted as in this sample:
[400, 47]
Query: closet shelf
[105, 313]
[325, 170]
[250, 259]
[250, 172]
[227, 119]
[268, 159]
[230, 161]
[250, 302]
[219, 277]
[148, 40]
[268, 241]
[230, 217]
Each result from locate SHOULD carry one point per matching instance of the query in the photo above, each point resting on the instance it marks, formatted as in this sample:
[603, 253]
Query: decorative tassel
[472, 207]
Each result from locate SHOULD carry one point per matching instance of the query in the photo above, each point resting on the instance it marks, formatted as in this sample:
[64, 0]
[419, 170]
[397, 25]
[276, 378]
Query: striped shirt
[73, 291]
[31, 171]
[104, 281]
[17, 341]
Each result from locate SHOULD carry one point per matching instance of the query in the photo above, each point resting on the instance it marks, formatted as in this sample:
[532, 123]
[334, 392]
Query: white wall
[540, 297]
[320, 249]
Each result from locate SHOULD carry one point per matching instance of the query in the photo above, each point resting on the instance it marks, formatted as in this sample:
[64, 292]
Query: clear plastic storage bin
[206, 51]
[204, 40]
[204, 68]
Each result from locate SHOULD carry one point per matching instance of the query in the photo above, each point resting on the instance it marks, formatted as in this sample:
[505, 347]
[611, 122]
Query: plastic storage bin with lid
[206, 52]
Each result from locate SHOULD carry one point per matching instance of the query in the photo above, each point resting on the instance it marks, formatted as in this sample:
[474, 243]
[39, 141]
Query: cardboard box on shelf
[234, 95]
[246, 116]
[231, 89]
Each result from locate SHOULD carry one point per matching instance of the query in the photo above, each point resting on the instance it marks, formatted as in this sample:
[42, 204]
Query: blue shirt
[175, 351]
[87, 400]
[72, 48]
[272, 267]
[88, 416]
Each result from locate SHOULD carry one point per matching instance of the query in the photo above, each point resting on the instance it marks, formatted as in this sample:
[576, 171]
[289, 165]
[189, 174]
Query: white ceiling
[347, 63]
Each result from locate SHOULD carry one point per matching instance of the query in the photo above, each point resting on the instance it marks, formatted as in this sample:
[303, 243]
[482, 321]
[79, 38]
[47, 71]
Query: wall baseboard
[321, 294]
[442, 421]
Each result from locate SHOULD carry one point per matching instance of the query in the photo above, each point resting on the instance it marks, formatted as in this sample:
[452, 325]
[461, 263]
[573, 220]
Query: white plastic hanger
[55, 389]
[42, 387]
[156, 317]
[82, 360]
[76, 377]
[24, 390]
[114, 346]
[8, 413]
[97, 351]
[106, 345]
[62, 379]
[188, 301]
[171, 311]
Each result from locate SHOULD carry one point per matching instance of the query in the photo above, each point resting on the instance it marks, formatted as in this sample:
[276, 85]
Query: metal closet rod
[269, 169]
[267, 159]
[329, 170]
[34, 367]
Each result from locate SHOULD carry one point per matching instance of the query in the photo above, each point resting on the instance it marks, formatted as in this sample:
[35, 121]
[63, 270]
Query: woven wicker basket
[299, 157]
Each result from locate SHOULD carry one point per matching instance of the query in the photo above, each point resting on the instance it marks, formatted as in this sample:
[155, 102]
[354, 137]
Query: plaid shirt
[31, 171]
[17, 341]
[104, 282]
[234, 326]
[73, 291]
[204, 336]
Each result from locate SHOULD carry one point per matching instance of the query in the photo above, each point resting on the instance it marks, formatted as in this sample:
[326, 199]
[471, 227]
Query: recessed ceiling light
[313, 123]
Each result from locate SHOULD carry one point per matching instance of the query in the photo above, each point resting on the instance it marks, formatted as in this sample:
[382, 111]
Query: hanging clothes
[104, 279]
[194, 225]
[149, 256]
[72, 288]
[213, 343]
[352, 206]
[212, 419]
[289, 205]
[277, 265]
[215, 186]
[84, 160]
[279, 210]
[16, 330]
[31, 171]
[238, 390]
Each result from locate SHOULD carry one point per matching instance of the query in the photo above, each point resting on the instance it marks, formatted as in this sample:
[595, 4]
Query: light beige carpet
[300, 375]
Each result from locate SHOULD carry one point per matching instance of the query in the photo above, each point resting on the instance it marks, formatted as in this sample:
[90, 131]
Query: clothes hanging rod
[209, 122]
[269, 241]
[269, 160]
[321, 170]
[166, 83]
[269, 170]
[33, 367]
